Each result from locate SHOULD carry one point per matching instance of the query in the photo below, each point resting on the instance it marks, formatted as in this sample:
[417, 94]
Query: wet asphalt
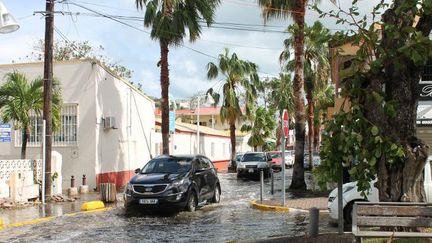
[230, 220]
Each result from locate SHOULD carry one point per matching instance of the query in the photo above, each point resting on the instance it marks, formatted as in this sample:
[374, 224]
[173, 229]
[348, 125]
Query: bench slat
[396, 234]
[394, 210]
[370, 221]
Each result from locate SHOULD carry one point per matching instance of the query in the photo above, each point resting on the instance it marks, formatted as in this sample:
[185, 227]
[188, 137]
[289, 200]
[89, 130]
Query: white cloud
[137, 51]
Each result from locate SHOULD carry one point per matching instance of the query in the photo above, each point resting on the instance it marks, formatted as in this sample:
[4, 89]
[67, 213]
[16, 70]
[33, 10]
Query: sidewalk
[291, 204]
[51, 209]
[322, 238]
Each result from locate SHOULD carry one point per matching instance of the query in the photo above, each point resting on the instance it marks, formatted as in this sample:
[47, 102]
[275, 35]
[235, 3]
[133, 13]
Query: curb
[28, 222]
[39, 220]
[265, 207]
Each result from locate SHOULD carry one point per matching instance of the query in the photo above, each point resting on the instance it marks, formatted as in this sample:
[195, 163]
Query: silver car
[252, 163]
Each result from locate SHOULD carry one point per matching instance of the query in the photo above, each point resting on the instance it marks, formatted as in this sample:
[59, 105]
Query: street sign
[172, 122]
[5, 133]
[285, 123]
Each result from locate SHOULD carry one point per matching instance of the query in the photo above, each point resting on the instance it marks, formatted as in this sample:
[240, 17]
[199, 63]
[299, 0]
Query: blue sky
[135, 50]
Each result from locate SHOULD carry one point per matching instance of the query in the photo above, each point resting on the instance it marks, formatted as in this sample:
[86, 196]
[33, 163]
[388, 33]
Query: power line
[131, 26]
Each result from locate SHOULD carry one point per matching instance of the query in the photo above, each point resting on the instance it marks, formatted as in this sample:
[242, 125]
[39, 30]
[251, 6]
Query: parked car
[316, 160]
[351, 194]
[252, 163]
[289, 158]
[173, 183]
[276, 160]
[232, 166]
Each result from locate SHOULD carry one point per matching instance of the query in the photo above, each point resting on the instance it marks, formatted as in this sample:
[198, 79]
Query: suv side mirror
[137, 170]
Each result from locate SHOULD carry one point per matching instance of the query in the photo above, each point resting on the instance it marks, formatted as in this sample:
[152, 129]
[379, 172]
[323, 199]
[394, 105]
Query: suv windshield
[254, 157]
[276, 155]
[168, 165]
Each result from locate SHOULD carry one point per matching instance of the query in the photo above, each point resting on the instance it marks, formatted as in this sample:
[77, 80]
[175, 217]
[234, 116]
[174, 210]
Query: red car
[276, 162]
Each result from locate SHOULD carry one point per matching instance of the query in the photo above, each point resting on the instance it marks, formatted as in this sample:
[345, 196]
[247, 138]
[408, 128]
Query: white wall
[78, 87]
[185, 143]
[98, 94]
[124, 148]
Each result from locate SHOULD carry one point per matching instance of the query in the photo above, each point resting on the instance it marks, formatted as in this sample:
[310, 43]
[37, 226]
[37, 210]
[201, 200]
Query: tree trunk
[165, 100]
[47, 91]
[310, 126]
[316, 139]
[26, 134]
[298, 181]
[233, 139]
[403, 181]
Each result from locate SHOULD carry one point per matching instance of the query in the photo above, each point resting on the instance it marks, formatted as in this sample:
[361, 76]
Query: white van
[351, 194]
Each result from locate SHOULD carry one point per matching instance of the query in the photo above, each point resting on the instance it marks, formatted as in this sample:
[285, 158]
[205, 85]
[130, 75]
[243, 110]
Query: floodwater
[232, 219]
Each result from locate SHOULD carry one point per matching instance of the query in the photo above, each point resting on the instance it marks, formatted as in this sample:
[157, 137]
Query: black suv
[173, 183]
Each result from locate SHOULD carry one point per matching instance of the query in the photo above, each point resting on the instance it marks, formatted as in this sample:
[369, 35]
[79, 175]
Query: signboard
[172, 122]
[285, 123]
[5, 133]
[424, 122]
[425, 91]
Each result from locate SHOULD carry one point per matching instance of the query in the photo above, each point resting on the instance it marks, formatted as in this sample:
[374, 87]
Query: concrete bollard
[313, 222]
[83, 189]
[72, 181]
[72, 191]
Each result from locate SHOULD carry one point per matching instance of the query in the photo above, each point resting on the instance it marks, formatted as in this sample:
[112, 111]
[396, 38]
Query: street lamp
[210, 99]
[8, 23]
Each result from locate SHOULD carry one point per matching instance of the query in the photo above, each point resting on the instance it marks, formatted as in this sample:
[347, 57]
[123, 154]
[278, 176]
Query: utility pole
[47, 91]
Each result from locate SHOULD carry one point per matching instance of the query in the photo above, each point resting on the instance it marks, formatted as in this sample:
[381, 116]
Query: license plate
[251, 170]
[148, 201]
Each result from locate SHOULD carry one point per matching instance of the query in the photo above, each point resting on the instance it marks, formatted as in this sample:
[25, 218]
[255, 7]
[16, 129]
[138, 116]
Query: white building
[106, 123]
[214, 144]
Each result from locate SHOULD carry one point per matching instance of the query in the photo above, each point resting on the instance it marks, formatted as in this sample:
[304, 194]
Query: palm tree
[316, 68]
[281, 97]
[239, 76]
[262, 127]
[323, 98]
[295, 9]
[21, 102]
[170, 22]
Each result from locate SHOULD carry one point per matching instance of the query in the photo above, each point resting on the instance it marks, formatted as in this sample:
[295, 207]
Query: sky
[132, 47]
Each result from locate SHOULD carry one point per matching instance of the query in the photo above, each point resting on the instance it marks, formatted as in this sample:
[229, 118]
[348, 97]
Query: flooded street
[232, 219]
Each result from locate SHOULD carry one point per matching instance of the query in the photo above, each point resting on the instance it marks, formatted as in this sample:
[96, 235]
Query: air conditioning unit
[109, 123]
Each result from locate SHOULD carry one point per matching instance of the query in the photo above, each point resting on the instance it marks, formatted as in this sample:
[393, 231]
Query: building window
[212, 152]
[427, 71]
[66, 134]
[223, 149]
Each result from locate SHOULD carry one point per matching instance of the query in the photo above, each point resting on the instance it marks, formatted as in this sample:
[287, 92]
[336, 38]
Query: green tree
[316, 68]
[262, 127]
[281, 96]
[21, 102]
[239, 76]
[377, 136]
[170, 22]
[70, 50]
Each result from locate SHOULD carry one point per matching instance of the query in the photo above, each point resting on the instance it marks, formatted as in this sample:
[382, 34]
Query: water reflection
[232, 219]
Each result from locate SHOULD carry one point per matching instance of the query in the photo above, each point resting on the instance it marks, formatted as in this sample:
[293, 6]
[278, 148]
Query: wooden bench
[368, 217]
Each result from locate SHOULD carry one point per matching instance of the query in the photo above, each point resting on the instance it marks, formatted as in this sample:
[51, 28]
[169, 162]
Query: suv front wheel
[192, 202]
[216, 196]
